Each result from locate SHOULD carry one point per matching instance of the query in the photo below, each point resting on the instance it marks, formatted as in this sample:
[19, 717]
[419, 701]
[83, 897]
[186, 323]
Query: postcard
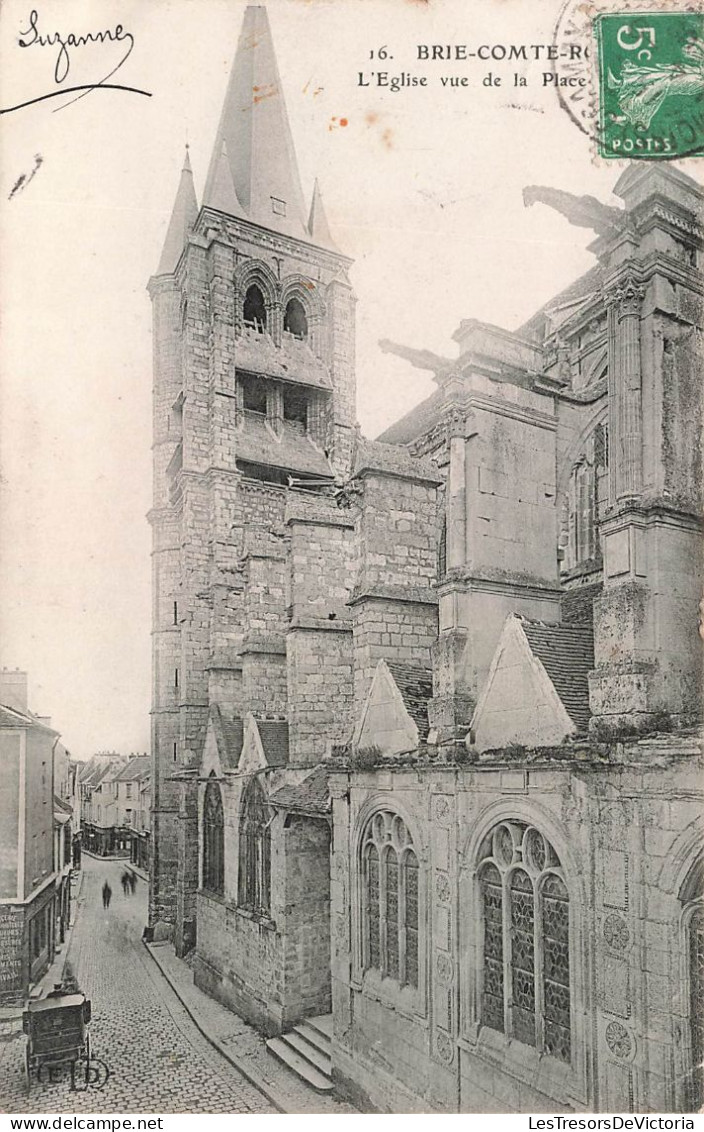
[351, 552]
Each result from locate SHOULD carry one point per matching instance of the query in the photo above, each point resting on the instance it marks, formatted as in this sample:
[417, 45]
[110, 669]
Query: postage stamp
[651, 84]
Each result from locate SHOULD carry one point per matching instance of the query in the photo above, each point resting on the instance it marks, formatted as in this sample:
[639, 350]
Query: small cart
[56, 1029]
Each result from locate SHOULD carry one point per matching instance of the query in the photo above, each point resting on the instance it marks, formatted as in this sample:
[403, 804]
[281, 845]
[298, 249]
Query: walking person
[133, 882]
[125, 881]
[107, 895]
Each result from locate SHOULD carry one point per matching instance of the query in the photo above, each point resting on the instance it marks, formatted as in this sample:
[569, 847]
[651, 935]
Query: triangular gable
[211, 761]
[252, 758]
[385, 722]
[518, 703]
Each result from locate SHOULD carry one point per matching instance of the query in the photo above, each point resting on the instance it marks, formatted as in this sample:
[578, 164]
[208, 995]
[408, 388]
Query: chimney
[13, 689]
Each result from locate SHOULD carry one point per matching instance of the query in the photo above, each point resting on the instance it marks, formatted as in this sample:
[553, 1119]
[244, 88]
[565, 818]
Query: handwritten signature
[33, 37]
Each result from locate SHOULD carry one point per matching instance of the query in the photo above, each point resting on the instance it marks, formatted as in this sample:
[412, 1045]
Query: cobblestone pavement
[158, 1060]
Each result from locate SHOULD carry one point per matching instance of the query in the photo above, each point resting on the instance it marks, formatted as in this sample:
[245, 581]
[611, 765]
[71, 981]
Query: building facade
[33, 880]
[101, 831]
[425, 756]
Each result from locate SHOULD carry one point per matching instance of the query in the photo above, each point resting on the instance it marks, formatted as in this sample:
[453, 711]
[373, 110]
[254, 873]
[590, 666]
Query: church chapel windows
[255, 851]
[390, 908]
[525, 975]
[213, 840]
[254, 309]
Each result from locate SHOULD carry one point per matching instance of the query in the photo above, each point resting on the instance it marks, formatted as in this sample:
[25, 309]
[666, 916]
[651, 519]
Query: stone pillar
[275, 407]
[456, 494]
[630, 439]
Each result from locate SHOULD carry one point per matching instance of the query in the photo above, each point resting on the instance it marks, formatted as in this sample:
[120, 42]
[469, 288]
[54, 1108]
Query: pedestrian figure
[107, 894]
[125, 880]
[133, 882]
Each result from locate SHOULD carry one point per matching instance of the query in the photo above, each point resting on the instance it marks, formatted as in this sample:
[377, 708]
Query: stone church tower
[254, 389]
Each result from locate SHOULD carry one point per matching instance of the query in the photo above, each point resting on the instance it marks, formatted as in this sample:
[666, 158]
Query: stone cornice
[413, 595]
[466, 581]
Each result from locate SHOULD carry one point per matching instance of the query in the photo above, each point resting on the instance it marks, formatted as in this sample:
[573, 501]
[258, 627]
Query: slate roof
[393, 459]
[567, 655]
[274, 736]
[95, 775]
[136, 768]
[416, 422]
[293, 451]
[309, 796]
[12, 717]
[416, 687]
[292, 361]
[228, 736]
[592, 280]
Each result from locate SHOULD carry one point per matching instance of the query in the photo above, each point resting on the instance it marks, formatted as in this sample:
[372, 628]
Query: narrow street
[157, 1059]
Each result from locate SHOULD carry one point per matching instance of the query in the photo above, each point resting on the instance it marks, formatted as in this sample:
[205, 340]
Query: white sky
[422, 188]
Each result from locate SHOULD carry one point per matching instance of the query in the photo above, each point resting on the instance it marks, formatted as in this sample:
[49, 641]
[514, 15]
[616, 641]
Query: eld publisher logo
[85, 1072]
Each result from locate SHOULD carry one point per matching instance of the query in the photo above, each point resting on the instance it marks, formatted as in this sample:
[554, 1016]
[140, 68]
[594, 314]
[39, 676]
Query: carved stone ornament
[618, 1040]
[444, 967]
[443, 1045]
[442, 888]
[616, 932]
[626, 297]
[442, 810]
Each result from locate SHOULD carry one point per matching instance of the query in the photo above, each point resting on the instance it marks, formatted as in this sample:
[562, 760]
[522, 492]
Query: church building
[426, 762]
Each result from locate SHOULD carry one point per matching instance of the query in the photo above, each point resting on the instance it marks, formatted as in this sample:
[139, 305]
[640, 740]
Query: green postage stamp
[651, 84]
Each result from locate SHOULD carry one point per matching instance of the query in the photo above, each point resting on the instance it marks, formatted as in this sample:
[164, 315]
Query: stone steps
[307, 1051]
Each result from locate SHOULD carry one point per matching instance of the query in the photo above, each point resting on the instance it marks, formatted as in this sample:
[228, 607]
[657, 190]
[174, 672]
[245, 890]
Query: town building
[140, 854]
[426, 768]
[100, 832]
[132, 799]
[35, 855]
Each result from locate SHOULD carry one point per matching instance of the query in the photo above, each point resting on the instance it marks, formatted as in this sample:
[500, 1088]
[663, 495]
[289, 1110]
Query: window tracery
[254, 880]
[390, 882]
[213, 839]
[525, 990]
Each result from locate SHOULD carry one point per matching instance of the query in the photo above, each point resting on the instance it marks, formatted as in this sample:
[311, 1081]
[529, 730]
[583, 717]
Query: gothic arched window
[295, 319]
[390, 896]
[692, 899]
[213, 840]
[587, 496]
[696, 1005]
[525, 970]
[255, 850]
[254, 309]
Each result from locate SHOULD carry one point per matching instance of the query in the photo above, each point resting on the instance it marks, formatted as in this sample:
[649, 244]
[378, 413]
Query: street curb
[264, 1088]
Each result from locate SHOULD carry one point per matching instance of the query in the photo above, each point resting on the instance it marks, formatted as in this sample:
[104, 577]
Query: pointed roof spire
[220, 190]
[183, 217]
[254, 125]
[318, 221]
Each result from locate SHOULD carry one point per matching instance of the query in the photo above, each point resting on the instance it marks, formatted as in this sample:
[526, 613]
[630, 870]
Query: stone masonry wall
[306, 919]
[630, 842]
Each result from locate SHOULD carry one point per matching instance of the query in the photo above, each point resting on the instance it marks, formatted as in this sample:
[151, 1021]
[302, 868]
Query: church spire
[318, 222]
[254, 127]
[220, 190]
[183, 218]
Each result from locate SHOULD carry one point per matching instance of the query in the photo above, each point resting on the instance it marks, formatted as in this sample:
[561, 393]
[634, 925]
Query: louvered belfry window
[525, 971]
[255, 850]
[213, 840]
[390, 884]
